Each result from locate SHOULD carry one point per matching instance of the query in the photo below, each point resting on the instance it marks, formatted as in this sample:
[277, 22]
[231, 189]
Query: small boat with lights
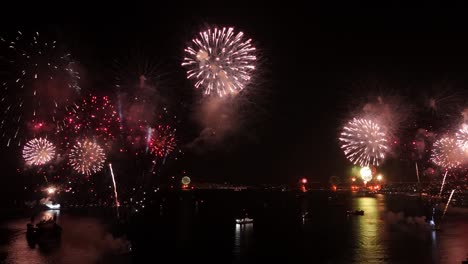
[356, 212]
[243, 221]
[52, 206]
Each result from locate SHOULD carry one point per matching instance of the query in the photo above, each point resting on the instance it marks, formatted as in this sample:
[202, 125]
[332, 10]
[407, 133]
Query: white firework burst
[462, 138]
[38, 151]
[364, 142]
[220, 61]
[87, 157]
[446, 153]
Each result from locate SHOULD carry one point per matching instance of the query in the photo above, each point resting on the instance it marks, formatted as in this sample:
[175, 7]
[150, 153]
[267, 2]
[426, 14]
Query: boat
[52, 206]
[45, 231]
[245, 220]
[356, 212]
[432, 223]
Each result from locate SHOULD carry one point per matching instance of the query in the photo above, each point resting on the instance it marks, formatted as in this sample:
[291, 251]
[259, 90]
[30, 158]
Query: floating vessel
[44, 232]
[357, 212]
[245, 220]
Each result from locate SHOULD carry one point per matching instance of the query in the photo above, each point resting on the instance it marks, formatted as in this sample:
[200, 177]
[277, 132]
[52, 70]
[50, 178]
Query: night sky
[317, 65]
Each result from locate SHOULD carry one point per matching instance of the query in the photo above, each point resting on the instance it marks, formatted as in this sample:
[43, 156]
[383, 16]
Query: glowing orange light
[51, 190]
[304, 180]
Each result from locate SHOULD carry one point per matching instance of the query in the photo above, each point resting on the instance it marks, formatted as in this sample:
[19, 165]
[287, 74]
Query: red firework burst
[162, 141]
[94, 116]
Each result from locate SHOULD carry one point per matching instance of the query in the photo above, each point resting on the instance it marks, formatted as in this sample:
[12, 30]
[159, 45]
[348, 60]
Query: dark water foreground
[200, 227]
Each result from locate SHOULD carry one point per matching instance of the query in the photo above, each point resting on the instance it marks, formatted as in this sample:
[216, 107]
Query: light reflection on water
[369, 228]
[242, 239]
[381, 239]
[325, 235]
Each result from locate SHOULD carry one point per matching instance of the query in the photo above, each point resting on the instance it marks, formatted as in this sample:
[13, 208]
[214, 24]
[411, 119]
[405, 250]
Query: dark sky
[315, 62]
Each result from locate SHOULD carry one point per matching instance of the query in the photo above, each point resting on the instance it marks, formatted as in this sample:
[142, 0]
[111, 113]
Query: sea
[200, 227]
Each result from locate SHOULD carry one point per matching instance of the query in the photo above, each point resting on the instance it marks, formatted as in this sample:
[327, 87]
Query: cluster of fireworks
[367, 140]
[365, 143]
[85, 157]
[41, 101]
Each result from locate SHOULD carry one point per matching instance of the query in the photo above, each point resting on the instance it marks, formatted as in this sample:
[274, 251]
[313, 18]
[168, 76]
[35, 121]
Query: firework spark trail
[117, 204]
[364, 142]
[148, 138]
[446, 153]
[220, 61]
[417, 171]
[119, 108]
[448, 202]
[38, 151]
[443, 183]
[87, 157]
[41, 83]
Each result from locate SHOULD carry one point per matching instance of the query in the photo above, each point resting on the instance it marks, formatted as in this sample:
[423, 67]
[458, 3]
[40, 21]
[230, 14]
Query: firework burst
[220, 61]
[364, 142]
[38, 151]
[87, 157]
[41, 82]
[94, 116]
[462, 138]
[141, 135]
[446, 153]
[162, 140]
